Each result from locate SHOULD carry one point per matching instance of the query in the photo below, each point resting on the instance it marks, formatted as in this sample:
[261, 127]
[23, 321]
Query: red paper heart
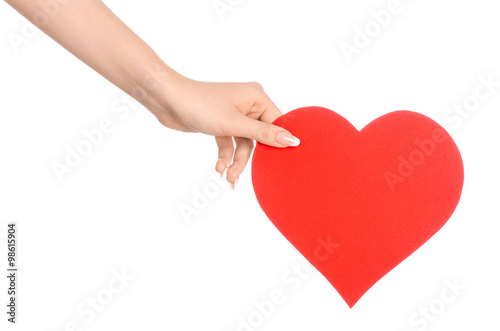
[357, 203]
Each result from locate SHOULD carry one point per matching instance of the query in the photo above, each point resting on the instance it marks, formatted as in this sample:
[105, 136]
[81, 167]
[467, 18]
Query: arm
[91, 32]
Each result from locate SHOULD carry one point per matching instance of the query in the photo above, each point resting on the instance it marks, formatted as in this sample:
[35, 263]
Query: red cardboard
[357, 203]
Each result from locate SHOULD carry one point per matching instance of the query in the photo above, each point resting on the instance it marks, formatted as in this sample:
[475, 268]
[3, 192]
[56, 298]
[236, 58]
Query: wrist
[156, 87]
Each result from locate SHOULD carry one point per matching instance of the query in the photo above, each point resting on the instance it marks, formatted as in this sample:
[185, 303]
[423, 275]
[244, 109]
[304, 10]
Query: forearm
[90, 31]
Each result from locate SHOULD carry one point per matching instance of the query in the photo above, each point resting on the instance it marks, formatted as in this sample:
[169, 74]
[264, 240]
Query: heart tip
[351, 303]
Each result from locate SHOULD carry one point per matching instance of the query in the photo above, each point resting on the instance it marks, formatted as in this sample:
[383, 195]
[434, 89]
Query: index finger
[271, 112]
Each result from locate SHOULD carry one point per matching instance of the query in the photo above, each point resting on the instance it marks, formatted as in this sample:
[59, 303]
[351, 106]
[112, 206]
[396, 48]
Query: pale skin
[242, 112]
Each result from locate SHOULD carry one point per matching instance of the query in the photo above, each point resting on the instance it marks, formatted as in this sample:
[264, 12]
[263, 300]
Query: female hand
[229, 111]
[239, 111]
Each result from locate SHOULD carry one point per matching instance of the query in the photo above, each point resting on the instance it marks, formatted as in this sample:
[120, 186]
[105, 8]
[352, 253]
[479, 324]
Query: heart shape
[357, 203]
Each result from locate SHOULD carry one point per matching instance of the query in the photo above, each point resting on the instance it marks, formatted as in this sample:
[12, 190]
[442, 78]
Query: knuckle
[164, 120]
[248, 146]
[265, 133]
[244, 143]
[256, 85]
[232, 173]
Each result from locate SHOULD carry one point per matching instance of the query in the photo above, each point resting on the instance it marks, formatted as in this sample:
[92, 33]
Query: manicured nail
[233, 185]
[225, 168]
[287, 139]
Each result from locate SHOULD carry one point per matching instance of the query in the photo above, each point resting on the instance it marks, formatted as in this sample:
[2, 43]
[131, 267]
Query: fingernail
[221, 174]
[233, 185]
[287, 139]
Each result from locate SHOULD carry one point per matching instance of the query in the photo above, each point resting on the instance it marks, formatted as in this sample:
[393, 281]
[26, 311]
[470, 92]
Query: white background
[119, 209]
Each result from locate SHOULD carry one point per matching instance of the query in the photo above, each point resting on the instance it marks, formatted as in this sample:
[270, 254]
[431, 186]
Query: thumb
[265, 133]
